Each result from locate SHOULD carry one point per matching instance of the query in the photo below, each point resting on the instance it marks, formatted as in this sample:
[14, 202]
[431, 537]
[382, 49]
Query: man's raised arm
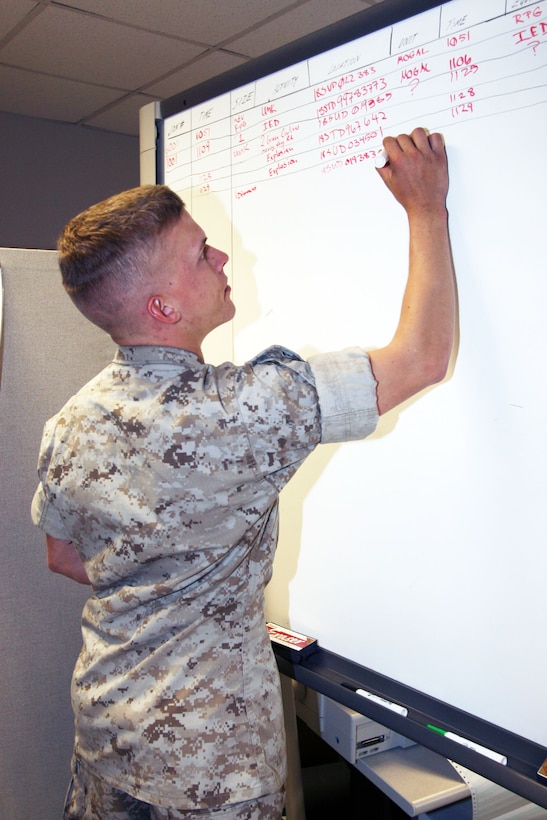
[419, 353]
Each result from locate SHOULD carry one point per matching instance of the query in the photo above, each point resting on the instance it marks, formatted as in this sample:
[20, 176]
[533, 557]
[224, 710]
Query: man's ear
[162, 312]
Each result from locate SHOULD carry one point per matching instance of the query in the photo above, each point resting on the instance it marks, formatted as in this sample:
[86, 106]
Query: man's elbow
[435, 366]
[57, 565]
[436, 371]
[75, 572]
[63, 559]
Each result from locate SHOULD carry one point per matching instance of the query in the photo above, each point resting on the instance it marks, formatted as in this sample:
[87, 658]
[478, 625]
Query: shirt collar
[150, 354]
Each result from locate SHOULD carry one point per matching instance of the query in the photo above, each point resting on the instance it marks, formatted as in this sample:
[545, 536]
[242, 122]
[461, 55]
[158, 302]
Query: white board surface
[420, 552]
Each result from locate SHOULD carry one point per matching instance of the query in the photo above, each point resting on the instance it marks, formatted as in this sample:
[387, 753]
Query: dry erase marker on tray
[387, 704]
[289, 644]
[470, 744]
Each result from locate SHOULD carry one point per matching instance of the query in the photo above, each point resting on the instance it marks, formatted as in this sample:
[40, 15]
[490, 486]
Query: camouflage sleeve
[45, 516]
[288, 406]
[43, 513]
[338, 387]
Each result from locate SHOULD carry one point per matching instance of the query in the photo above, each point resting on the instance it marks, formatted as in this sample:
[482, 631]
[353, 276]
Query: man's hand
[417, 171]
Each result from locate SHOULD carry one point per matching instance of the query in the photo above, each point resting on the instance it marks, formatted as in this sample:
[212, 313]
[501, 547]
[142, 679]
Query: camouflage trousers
[90, 798]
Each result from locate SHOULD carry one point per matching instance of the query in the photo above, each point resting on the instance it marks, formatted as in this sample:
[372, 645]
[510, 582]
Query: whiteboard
[420, 552]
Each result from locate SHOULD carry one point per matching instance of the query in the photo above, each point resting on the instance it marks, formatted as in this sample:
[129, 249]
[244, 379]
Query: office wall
[50, 171]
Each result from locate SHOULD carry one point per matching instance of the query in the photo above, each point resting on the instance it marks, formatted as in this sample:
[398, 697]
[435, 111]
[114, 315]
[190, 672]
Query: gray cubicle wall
[48, 351]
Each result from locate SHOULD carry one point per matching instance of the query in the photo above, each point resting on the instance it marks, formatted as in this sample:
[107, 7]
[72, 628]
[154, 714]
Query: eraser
[542, 771]
[289, 644]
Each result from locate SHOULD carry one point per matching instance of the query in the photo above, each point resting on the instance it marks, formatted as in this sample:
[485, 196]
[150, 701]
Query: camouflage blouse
[165, 473]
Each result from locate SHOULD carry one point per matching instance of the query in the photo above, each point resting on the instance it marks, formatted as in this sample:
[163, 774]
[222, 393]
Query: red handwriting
[363, 90]
[274, 171]
[329, 167]
[358, 99]
[458, 39]
[203, 148]
[414, 71]
[333, 85]
[366, 72]
[276, 153]
[527, 35]
[335, 109]
[349, 129]
[342, 148]
[202, 137]
[523, 17]
[463, 108]
[239, 123]
[411, 55]
[351, 113]
[462, 95]
[277, 142]
[361, 157]
[462, 66]
[246, 192]
[240, 150]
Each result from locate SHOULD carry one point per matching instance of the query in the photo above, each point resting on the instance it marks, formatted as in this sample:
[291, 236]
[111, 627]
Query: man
[159, 486]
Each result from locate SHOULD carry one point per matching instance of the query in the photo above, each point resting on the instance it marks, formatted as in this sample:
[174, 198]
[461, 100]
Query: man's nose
[219, 258]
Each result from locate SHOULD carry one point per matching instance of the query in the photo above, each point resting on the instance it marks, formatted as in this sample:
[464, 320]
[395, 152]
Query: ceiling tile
[123, 118]
[206, 21]
[37, 95]
[211, 65]
[12, 13]
[305, 19]
[89, 49]
[68, 60]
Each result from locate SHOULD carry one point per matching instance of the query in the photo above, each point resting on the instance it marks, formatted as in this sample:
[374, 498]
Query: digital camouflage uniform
[165, 473]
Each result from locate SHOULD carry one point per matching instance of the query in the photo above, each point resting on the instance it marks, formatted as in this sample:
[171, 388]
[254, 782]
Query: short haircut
[105, 253]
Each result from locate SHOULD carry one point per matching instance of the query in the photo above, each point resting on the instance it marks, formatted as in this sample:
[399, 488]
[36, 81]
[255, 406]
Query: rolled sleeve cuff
[346, 389]
[45, 516]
